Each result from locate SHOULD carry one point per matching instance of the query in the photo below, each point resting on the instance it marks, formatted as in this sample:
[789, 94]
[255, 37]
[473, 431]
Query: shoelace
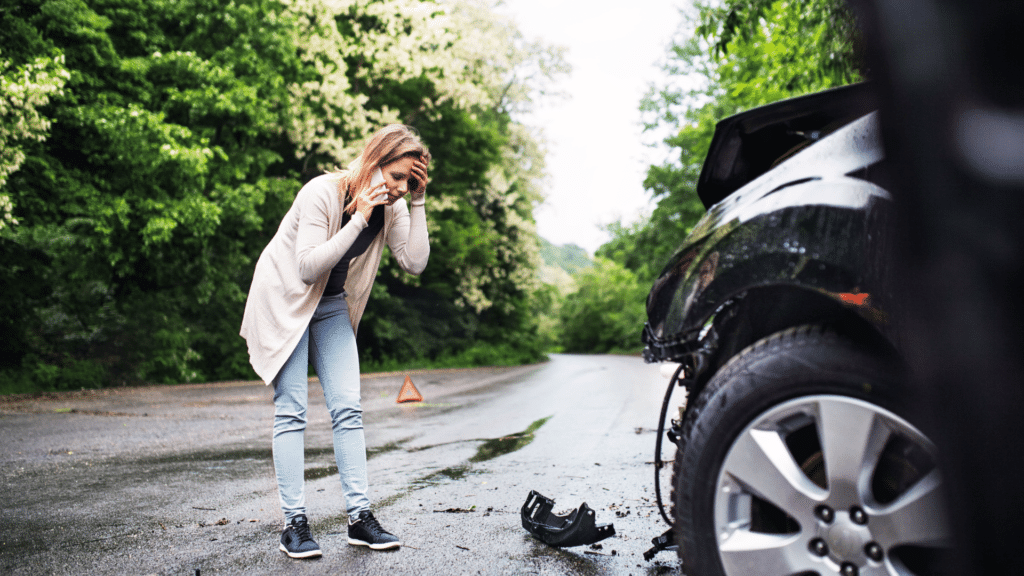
[373, 526]
[302, 532]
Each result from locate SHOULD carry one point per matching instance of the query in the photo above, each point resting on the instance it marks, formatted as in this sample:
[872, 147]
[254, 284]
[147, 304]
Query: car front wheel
[794, 460]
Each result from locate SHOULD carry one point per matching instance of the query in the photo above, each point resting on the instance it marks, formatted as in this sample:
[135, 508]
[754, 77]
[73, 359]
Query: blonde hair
[390, 143]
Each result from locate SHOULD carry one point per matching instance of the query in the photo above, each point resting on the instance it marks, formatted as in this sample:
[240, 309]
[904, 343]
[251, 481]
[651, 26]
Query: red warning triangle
[409, 393]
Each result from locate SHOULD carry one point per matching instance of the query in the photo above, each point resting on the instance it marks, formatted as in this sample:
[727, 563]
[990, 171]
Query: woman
[308, 292]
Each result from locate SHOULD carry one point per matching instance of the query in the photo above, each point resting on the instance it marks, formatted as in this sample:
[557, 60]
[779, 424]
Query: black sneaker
[366, 531]
[297, 541]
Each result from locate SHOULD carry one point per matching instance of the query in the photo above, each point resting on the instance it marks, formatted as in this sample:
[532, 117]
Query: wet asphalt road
[179, 479]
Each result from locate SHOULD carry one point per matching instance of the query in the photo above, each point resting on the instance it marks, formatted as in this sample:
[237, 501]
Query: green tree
[23, 91]
[183, 131]
[152, 183]
[728, 57]
[606, 313]
[480, 295]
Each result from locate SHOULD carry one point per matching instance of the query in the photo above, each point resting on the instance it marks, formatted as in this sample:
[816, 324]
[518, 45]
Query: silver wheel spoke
[752, 553]
[914, 518]
[763, 465]
[851, 441]
[853, 435]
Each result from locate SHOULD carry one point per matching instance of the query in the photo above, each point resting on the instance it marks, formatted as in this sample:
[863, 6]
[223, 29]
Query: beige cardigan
[293, 269]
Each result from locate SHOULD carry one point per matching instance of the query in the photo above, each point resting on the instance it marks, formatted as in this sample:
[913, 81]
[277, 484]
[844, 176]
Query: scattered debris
[458, 510]
[221, 522]
[613, 553]
[573, 529]
[666, 541]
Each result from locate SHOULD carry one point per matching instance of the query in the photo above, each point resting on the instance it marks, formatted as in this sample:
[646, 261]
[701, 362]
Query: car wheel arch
[756, 313]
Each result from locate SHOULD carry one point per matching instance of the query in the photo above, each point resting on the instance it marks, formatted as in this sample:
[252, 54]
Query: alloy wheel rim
[829, 484]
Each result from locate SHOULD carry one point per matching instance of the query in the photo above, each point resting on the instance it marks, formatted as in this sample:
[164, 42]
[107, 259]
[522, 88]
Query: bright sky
[596, 157]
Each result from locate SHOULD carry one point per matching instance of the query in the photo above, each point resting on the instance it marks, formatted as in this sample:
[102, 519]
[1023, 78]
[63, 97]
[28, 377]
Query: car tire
[794, 459]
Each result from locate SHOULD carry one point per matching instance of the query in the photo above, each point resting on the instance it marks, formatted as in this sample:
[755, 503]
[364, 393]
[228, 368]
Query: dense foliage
[149, 148]
[728, 57]
[603, 313]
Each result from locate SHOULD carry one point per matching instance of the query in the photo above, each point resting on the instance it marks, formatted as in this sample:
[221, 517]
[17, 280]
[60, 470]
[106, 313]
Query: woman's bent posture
[308, 293]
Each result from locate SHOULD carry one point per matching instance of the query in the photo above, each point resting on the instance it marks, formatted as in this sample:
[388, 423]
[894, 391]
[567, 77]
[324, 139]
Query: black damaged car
[796, 453]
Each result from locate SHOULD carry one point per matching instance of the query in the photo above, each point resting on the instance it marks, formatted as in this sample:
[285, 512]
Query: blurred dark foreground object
[574, 529]
[950, 79]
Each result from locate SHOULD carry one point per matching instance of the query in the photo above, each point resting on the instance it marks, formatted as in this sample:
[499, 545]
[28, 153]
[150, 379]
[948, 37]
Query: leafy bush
[728, 56]
[606, 313]
[150, 148]
[36, 375]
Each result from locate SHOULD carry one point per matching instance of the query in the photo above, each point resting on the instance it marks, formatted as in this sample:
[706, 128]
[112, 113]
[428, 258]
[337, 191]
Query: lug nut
[819, 547]
[858, 516]
[874, 551]
[848, 569]
[825, 514]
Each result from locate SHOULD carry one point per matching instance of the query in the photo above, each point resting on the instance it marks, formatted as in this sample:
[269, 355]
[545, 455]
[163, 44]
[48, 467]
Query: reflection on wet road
[170, 480]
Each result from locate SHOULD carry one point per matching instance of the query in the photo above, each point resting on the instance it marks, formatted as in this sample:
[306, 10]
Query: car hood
[808, 205]
[806, 179]
[751, 143]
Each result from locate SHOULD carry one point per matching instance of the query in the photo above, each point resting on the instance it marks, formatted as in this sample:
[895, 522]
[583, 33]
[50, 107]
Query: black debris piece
[666, 541]
[574, 529]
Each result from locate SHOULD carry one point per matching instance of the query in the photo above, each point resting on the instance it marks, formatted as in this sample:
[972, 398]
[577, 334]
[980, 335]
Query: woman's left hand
[419, 171]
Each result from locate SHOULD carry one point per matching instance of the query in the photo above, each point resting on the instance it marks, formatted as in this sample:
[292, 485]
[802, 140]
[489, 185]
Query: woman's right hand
[369, 199]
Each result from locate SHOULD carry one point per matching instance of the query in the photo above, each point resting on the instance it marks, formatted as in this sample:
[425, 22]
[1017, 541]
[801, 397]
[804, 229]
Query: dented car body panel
[812, 222]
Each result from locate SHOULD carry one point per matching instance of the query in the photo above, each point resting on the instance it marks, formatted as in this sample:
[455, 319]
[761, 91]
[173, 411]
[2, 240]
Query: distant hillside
[559, 263]
[568, 257]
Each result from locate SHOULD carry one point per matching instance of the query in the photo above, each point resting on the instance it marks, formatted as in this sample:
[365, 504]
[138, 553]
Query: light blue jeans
[330, 345]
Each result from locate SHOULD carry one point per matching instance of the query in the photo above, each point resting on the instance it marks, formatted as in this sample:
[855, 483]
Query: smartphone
[376, 181]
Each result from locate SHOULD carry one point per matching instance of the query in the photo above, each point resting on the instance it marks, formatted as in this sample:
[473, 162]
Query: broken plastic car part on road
[574, 529]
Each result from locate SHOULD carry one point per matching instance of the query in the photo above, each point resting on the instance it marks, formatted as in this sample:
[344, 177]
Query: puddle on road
[262, 453]
[489, 450]
[318, 472]
[444, 475]
[209, 456]
[507, 444]
[389, 447]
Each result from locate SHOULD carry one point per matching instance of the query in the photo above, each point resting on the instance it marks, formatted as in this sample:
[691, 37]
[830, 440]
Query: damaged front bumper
[574, 529]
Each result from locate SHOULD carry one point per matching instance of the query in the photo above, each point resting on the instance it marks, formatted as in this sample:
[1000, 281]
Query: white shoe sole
[386, 546]
[310, 554]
